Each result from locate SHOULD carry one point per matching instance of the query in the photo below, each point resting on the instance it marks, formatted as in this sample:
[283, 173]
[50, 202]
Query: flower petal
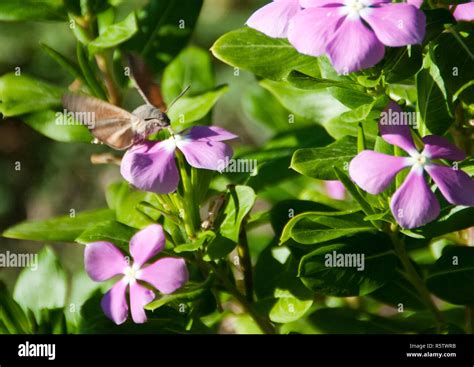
[147, 243]
[416, 3]
[319, 3]
[166, 274]
[114, 303]
[464, 12]
[397, 24]
[311, 29]
[335, 189]
[394, 129]
[151, 167]
[365, 49]
[102, 261]
[139, 298]
[273, 18]
[374, 171]
[414, 204]
[455, 185]
[209, 133]
[438, 147]
[211, 155]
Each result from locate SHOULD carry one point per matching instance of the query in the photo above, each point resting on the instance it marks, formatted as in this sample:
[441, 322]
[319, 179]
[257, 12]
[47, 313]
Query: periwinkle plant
[337, 181]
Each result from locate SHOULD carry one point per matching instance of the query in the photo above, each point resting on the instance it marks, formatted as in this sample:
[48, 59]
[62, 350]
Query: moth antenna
[178, 97]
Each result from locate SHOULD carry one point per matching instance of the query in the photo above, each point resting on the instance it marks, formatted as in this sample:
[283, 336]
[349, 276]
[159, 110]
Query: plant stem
[191, 217]
[245, 264]
[264, 324]
[415, 278]
[112, 90]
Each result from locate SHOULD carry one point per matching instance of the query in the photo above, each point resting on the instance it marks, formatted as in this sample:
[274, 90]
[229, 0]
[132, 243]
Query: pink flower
[464, 12]
[104, 261]
[151, 166]
[353, 32]
[413, 204]
[335, 189]
[273, 18]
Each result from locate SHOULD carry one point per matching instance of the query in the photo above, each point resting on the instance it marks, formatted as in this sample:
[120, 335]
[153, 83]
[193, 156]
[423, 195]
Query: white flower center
[419, 160]
[353, 8]
[131, 274]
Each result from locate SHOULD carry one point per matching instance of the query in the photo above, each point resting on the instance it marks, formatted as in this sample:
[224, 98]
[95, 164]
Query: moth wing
[143, 79]
[117, 132]
[110, 124]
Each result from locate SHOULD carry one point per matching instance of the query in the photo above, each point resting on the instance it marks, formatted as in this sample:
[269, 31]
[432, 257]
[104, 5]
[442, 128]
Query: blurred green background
[57, 177]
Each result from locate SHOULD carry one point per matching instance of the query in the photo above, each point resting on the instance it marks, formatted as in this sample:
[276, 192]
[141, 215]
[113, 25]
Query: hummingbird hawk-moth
[115, 126]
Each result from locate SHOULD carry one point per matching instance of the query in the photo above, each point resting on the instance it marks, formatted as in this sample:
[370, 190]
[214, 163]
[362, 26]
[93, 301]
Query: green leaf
[452, 276]
[350, 96]
[60, 229]
[125, 200]
[115, 34]
[399, 291]
[271, 58]
[23, 94]
[44, 287]
[347, 124]
[402, 63]
[319, 162]
[12, 317]
[190, 292]
[451, 219]
[117, 233]
[340, 270]
[262, 108]
[434, 100]
[192, 67]
[315, 105]
[165, 27]
[164, 320]
[316, 227]
[88, 71]
[240, 200]
[56, 126]
[454, 62]
[70, 66]
[288, 308]
[37, 10]
[187, 110]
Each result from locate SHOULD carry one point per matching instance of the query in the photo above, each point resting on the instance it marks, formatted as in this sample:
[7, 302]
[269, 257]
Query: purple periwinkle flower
[413, 204]
[353, 32]
[151, 166]
[273, 18]
[104, 261]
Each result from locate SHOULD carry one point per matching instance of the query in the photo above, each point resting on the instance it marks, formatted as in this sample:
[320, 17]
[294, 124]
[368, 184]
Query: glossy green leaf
[125, 200]
[12, 317]
[452, 276]
[316, 227]
[190, 292]
[165, 28]
[353, 267]
[57, 126]
[320, 162]
[187, 110]
[111, 231]
[23, 94]
[288, 308]
[192, 67]
[43, 287]
[271, 58]
[315, 105]
[115, 34]
[434, 100]
[60, 229]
